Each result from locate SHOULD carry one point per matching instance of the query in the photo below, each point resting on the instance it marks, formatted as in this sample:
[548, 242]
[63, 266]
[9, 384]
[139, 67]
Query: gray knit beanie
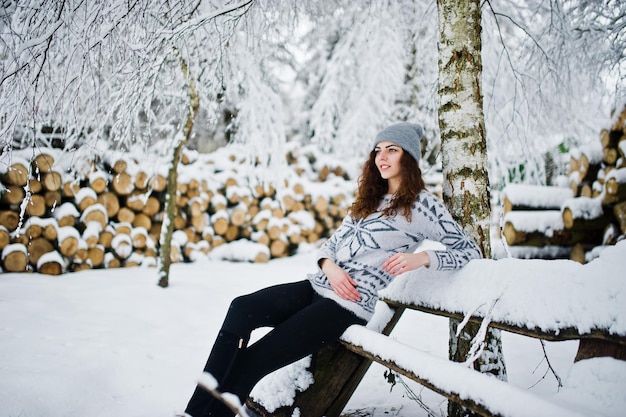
[405, 135]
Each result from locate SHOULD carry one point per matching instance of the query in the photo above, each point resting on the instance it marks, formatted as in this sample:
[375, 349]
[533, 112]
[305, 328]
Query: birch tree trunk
[464, 156]
[167, 228]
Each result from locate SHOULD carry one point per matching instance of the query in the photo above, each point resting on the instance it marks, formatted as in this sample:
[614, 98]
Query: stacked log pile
[571, 221]
[112, 215]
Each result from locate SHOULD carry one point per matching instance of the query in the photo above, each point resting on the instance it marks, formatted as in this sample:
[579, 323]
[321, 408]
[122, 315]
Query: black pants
[303, 322]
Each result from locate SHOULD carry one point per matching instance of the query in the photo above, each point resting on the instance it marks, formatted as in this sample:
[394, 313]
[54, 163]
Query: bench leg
[337, 373]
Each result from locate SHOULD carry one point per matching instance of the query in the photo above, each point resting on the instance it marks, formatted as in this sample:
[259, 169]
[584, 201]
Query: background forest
[110, 76]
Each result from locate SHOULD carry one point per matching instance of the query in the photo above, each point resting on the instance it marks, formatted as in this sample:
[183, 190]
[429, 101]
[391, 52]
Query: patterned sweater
[361, 247]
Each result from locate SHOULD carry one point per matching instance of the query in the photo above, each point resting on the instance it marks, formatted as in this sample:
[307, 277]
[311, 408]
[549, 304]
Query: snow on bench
[556, 299]
[552, 300]
[452, 379]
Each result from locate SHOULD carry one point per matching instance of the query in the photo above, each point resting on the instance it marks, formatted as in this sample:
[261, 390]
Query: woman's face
[387, 160]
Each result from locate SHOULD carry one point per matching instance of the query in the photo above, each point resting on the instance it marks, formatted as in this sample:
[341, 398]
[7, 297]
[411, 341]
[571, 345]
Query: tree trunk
[165, 241]
[464, 155]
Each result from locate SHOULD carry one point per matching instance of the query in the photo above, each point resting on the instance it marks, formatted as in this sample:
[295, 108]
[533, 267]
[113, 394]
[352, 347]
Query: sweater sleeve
[328, 249]
[442, 228]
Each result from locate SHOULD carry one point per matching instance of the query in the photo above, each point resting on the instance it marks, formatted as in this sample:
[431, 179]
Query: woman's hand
[403, 262]
[342, 283]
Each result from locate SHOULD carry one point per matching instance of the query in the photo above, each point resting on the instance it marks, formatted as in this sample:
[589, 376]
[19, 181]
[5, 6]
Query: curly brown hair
[372, 188]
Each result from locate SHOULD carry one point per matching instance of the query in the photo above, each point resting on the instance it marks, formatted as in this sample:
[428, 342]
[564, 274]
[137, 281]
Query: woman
[392, 214]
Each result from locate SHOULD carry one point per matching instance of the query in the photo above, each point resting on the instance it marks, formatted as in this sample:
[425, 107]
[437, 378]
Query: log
[51, 181]
[610, 156]
[82, 252]
[524, 197]
[13, 195]
[37, 248]
[91, 234]
[136, 201]
[95, 255]
[16, 174]
[588, 167]
[5, 237]
[106, 237]
[123, 228]
[157, 183]
[534, 228]
[615, 186]
[180, 221]
[95, 213]
[52, 199]
[278, 248]
[119, 166]
[232, 233]
[111, 203]
[50, 229]
[141, 180]
[198, 206]
[69, 189]
[122, 184]
[14, 258]
[122, 246]
[68, 241]
[200, 222]
[139, 237]
[220, 222]
[84, 198]
[66, 214]
[51, 264]
[43, 162]
[578, 253]
[125, 215]
[238, 215]
[36, 206]
[98, 181]
[142, 220]
[321, 205]
[110, 261]
[33, 228]
[9, 219]
[77, 266]
[133, 260]
[35, 185]
[152, 207]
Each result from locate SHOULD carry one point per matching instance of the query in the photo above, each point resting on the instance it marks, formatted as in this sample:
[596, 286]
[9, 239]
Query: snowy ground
[113, 343]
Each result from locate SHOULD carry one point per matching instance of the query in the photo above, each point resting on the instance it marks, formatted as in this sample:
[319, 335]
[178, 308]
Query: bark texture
[464, 157]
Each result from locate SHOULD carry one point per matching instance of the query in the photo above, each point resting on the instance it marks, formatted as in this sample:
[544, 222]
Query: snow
[50, 257]
[111, 342]
[526, 291]
[593, 152]
[618, 174]
[239, 250]
[584, 207]
[539, 196]
[13, 247]
[66, 209]
[546, 221]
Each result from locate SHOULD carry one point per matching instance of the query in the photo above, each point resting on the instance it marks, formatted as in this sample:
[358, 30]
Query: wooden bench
[548, 300]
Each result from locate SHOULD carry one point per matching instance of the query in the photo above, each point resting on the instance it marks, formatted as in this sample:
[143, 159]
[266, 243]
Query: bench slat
[478, 392]
[563, 334]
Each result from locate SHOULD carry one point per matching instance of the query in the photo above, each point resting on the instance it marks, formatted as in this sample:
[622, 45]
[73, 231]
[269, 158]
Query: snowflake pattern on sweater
[360, 247]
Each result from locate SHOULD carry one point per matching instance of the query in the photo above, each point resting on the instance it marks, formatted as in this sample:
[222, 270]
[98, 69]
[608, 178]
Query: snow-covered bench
[549, 300]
